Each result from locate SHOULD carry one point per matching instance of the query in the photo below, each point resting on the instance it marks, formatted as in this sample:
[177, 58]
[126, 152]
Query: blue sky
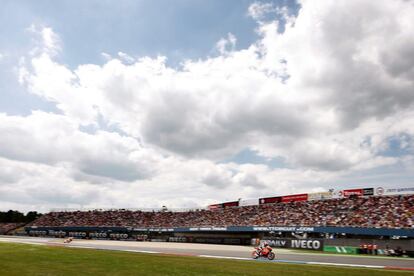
[190, 102]
[179, 30]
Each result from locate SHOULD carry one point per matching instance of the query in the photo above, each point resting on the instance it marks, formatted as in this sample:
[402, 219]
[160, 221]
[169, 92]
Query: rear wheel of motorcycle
[255, 255]
[271, 256]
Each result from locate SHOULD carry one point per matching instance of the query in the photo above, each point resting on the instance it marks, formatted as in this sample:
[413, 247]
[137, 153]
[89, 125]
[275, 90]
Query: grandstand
[6, 228]
[391, 212]
[345, 217]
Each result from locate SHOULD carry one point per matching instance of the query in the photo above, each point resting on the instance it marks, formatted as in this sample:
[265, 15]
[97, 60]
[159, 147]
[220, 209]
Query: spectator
[384, 211]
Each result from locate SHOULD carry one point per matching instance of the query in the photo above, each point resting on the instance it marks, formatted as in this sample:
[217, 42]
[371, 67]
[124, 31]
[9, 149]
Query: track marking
[280, 252]
[289, 262]
[142, 251]
[223, 257]
[299, 262]
[350, 265]
[80, 246]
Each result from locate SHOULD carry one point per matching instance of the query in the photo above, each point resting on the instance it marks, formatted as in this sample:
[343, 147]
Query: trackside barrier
[341, 249]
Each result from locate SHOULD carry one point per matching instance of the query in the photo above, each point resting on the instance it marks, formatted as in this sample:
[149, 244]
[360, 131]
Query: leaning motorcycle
[268, 253]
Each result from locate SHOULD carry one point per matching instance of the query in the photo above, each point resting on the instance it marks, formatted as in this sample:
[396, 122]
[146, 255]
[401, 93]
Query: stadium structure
[364, 220]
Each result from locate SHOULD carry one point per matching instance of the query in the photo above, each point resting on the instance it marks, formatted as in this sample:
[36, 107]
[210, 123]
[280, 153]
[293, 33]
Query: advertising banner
[299, 197]
[408, 232]
[215, 206]
[231, 204]
[320, 196]
[393, 191]
[248, 202]
[310, 244]
[266, 200]
[352, 192]
[368, 191]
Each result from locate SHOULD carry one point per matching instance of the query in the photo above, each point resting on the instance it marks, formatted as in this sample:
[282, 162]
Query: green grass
[19, 259]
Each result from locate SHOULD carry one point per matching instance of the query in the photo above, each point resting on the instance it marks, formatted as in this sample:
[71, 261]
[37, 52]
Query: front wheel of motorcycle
[255, 255]
[271, 256]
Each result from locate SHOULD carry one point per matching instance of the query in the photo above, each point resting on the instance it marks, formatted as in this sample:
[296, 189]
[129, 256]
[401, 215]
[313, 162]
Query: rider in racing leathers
[264, 248]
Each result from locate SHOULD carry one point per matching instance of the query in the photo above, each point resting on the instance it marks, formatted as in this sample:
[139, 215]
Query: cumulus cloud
[53, 139]
[228, 44]
[257, 10]
[48, 41]
[326, 95]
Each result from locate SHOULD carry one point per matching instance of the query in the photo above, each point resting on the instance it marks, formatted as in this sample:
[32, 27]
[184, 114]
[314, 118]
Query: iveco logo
[306, 244]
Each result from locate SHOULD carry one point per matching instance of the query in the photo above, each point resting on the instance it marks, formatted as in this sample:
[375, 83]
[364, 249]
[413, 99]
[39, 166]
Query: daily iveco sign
[296, 243]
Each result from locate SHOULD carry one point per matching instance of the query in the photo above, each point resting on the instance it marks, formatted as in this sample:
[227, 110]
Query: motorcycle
[263, 253]
[68, 240]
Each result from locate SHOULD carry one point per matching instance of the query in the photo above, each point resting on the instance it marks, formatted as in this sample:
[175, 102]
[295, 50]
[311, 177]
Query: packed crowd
[384, 211]
[7, 227]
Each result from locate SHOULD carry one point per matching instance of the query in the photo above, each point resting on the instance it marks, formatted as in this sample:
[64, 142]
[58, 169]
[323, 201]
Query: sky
[140, 104]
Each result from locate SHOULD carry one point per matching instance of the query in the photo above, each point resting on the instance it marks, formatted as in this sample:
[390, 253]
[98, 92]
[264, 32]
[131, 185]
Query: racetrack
[223, 251]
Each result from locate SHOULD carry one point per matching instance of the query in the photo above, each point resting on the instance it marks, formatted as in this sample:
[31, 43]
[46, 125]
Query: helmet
[265, 244]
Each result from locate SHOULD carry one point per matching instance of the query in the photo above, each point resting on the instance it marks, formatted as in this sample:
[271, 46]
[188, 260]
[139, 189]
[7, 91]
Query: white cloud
[48, 41]
[257, 10]
[326, 96]
[126, 58]
[106, 56]
[227, 44]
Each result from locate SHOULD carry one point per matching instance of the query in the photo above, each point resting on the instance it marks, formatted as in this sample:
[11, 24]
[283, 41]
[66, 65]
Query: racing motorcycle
[68, 240]
[266, 252]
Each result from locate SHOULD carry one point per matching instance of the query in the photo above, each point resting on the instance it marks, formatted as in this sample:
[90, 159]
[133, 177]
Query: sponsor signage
[379, 191]
[215, 206]
[296, 243]
[161, 229]
[300, 197]
[307, 244]
[352, 192]
[368, 191]
[320, 196]
[283, 229]
[231, 204]
[208, 229]
[240, 229]
[393, 191]
[266, 200]
[140, 229]
[248, 202]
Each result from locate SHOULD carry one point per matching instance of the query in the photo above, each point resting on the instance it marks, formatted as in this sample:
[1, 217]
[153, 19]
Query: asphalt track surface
[223, 251]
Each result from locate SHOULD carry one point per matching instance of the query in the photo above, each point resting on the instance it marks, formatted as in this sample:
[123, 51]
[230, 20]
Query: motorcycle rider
[264, 248]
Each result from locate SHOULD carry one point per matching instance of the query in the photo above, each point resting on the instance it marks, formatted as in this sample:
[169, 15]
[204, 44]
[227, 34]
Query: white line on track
[142, 251]
[350, 265]
[80, 246]
[223, 257]
[296, 262]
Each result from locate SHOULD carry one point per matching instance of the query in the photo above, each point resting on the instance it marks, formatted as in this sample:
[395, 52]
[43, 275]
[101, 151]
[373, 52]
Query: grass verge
[19, 259]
